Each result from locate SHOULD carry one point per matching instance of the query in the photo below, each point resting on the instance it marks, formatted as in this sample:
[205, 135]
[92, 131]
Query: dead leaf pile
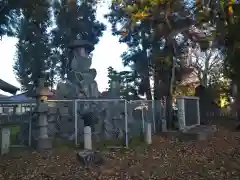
[216, 158]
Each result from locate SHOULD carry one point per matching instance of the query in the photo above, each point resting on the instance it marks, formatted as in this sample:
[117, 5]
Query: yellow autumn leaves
[137, 10]
[230, 9]
[141, 9]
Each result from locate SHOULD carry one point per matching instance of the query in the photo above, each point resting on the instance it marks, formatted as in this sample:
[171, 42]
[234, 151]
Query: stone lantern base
[44, 144]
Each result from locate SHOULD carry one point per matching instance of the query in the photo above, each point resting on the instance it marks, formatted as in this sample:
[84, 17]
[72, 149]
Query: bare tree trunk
[148, 88]
[205, 72]
[237, 103]
[170, 90]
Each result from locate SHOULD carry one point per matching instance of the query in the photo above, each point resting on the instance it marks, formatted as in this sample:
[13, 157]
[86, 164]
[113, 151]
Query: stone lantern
[81, 47]
[42, 95]
[115, 89]
[81, 50]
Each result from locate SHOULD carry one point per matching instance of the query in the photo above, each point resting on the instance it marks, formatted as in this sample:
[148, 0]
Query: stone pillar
[115, 90]
[87, 138]
[42, 94]
[4, 140]
[148, 133]
[181, 114]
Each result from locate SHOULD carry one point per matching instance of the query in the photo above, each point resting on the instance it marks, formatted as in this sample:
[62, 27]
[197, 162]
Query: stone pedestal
[44, 143]
[43, 140]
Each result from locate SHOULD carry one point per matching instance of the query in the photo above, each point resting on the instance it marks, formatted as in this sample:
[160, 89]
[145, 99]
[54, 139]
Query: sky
[107, 53]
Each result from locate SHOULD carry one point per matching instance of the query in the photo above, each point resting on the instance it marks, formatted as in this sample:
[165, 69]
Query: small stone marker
[148, 133]
[87, 138]
[88, 158]
[5, 140]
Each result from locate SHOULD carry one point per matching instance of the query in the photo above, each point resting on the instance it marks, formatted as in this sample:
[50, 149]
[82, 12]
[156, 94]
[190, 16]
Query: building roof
[20, 97]
[3, 97]
[25, 97]
[8, 87]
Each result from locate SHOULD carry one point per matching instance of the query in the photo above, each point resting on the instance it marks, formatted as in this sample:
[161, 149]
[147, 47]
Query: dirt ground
[216, 158]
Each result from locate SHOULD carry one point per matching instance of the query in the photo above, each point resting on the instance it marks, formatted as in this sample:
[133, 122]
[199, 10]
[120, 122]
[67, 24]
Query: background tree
[74, 20]
[9, 17]
[207, 64]
[42, 49]
[33, 47]
[232, 64]
[150, 28]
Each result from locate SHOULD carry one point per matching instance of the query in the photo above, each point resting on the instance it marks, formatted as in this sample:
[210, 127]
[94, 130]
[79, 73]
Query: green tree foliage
[74, 20]
[147, 38]
[46, 30]
[184, 90]
[232, 63]
[150, 29]
[9, 17]
[136, 57]
[33, 47]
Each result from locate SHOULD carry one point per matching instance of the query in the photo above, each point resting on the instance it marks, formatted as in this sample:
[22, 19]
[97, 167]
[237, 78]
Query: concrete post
[4, 140]
[181, 113]
[42, 94]
[87, 138]
[148, 133]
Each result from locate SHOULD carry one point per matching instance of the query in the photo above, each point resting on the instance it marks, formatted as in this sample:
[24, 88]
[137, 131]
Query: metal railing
[110, 114]
[17, 116]
[117, 120]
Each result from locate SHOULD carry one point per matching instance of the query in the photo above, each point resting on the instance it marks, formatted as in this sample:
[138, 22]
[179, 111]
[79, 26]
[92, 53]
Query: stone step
[89, 157]
[199, 133]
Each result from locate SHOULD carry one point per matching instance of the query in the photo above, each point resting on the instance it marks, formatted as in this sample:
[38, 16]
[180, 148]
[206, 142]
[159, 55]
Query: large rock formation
[81, 79]
[80, 84]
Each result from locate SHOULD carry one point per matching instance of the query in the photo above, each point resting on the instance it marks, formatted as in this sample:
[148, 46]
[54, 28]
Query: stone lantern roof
[82, 43]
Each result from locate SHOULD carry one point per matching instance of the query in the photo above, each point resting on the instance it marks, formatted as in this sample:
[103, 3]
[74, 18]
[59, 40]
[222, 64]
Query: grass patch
[14, 131]
[105, 144]
[59, 143]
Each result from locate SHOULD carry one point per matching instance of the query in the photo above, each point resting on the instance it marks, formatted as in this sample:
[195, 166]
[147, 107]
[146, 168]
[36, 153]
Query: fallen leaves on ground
[216, 158]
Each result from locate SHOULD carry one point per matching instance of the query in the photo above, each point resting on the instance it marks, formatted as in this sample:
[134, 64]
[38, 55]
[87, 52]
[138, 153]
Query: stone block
[52, 119]
[199, 133]
[63, 111]
[52, 111]
[42, 108]
[44, 143]
[42, 121]
[89, 157]
[52, 130]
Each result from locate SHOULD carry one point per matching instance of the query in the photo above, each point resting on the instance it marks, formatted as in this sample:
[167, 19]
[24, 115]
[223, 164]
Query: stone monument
[80, 81]
[80, 84]
[106, 118]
